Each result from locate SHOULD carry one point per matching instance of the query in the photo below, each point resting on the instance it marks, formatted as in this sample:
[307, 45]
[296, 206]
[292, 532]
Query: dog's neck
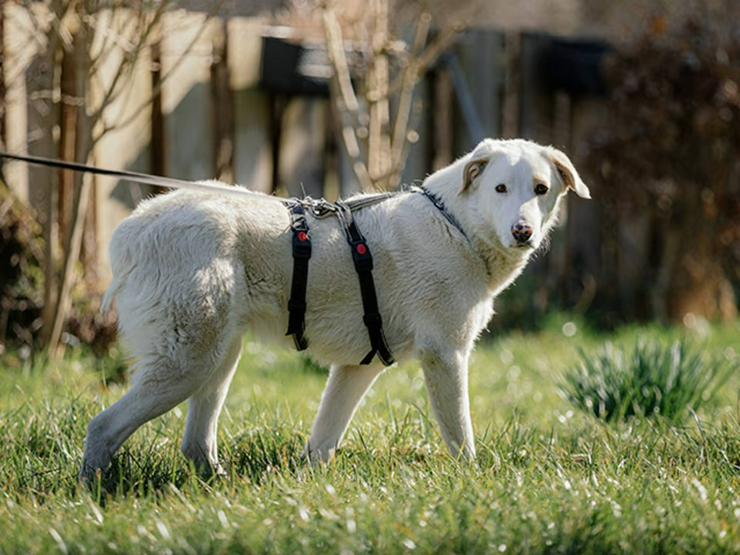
[503, 265]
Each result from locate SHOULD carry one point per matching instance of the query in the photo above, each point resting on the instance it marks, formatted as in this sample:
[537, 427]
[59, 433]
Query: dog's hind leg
[199, 444]
[344, 390]
[158, 387]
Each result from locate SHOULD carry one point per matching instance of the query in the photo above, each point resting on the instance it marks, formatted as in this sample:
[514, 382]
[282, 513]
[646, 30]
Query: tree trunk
[379, 141]
[158, 150]
[83, 184]
[222, 108]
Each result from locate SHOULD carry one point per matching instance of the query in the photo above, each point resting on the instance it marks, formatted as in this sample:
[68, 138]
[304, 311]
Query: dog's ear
[568, 172]
[472, 170]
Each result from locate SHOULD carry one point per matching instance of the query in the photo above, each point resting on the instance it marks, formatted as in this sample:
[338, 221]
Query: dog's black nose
[521, 232]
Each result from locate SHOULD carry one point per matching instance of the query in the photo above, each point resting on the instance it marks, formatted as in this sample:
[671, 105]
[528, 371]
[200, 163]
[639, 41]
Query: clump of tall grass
[651, 379]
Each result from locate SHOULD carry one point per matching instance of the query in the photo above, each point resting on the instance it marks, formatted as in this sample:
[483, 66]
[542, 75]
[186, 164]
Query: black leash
[439, 205]
[147, 179]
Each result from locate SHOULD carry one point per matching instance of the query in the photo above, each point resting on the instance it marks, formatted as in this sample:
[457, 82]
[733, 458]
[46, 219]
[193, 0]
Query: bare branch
[405, 101]
[338, 58]
[344, 98]
[429, 56]
[127, 63]
[155, 90]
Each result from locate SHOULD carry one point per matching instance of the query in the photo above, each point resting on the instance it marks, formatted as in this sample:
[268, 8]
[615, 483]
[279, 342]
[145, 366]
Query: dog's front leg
[446, 376]
[344, 390]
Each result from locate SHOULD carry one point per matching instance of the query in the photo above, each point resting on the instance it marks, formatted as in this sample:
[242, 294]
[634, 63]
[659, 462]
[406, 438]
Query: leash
[143, 178]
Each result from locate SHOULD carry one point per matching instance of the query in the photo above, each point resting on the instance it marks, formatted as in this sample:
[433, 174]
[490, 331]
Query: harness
[361, 257]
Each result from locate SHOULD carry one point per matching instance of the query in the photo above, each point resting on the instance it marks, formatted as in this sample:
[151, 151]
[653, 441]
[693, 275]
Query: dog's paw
[214, 472]
[90, 475]
[319, 456]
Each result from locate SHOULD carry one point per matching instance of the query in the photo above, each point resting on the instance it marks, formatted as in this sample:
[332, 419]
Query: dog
[194, 271]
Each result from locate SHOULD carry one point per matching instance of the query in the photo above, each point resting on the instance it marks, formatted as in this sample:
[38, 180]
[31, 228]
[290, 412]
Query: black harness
[363, 261]
[361, 257]
[301, 255]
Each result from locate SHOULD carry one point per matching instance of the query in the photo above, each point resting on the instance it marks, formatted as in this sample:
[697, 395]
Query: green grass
[650, 379]
[548, 479]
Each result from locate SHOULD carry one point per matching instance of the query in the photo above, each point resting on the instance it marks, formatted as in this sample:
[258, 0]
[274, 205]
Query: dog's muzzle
[522, 234]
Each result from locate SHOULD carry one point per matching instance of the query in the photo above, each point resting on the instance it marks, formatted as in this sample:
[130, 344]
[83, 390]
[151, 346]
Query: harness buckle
[361, 256]
[301, 244]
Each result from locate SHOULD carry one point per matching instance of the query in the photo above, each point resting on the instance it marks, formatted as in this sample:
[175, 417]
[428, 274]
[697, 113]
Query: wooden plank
[222, 107]
[302, 161]
[252, 147]
[535, 103]
[512, 85]
[482, 57]
[159, 148]
[442, 123]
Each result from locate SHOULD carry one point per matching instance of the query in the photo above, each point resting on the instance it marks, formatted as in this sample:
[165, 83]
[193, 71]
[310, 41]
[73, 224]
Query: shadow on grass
[254, 456]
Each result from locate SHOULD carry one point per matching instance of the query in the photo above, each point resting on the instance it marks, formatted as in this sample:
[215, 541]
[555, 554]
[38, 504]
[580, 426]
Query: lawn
[548, 477]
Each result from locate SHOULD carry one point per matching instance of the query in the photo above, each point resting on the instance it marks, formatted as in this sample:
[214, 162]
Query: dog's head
[516, 186]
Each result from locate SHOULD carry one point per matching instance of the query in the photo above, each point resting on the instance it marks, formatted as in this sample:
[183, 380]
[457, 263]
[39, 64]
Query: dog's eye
[501, 188]
[541, 189]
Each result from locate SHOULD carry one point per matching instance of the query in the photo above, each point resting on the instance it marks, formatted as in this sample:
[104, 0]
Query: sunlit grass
[650, 379]
[548, 478]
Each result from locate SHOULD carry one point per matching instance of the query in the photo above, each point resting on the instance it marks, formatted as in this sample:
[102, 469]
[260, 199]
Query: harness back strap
[363, 261]
[301, 256]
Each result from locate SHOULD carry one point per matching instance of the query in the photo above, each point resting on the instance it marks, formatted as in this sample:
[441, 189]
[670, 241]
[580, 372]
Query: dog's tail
[122, 266]
[109, 296]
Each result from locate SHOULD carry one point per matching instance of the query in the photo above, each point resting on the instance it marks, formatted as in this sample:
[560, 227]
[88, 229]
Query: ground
[548, 478]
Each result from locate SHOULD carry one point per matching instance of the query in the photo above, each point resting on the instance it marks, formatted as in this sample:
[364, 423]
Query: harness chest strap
[301, 256]
[363, 261]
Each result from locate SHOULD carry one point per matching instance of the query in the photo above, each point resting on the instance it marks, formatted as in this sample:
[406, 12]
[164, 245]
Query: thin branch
[127, 63]
[110, 37]
[429, 56]
[405, 101]
[338, 58]
[155, 90]
[344, 97]
[122, 75]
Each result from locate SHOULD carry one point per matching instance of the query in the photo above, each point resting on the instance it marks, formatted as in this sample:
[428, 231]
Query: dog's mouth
[524, 245]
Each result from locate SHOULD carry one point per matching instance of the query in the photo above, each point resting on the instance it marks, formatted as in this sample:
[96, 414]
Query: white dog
[194, 271]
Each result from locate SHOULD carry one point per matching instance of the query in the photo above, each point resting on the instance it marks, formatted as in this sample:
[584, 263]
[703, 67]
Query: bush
[650, 380]
[666, 153]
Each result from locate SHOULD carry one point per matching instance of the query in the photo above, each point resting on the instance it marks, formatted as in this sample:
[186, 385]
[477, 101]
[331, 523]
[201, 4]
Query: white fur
[194, 271]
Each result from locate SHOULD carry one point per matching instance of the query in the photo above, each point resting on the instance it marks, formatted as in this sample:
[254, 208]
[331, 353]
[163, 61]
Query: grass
[548, 479]
[652, 379]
